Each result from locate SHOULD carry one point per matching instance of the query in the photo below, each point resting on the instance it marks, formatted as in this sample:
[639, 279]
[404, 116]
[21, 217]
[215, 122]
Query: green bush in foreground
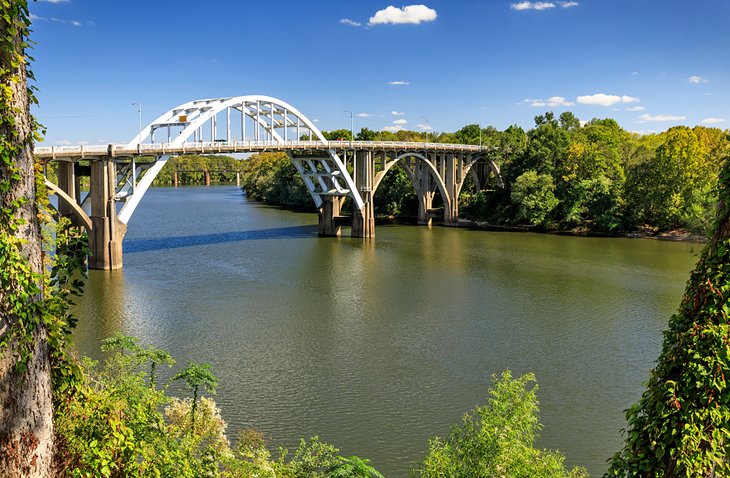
[117, 423]
[497, 439]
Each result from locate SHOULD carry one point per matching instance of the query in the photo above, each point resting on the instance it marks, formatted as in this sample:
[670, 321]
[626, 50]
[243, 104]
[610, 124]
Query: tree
[26, 429]
[497, 439]
[681, 424]
[532, 193]
[196, 376]
[353, 467]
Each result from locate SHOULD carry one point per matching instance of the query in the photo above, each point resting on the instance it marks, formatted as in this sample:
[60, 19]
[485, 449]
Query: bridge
[333, 171]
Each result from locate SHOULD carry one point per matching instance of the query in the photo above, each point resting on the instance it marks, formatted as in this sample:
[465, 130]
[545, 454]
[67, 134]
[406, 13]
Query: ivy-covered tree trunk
[681, 425]
[26, 429]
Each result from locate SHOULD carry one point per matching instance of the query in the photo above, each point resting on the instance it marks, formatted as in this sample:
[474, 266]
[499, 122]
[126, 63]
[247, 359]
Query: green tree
[532, 193]
[196, 376]
[497, 439]
[353, 467]
[681, 425]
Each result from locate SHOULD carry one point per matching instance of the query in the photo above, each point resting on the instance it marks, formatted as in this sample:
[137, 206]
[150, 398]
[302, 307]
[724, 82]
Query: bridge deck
[71, 153]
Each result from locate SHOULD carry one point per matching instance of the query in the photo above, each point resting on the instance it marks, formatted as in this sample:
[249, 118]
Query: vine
[29, 298]
[681, 425]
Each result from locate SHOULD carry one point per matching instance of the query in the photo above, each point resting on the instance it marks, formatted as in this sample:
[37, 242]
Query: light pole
[352, 128]
[480, 136]
[139, 110]
[428, 126]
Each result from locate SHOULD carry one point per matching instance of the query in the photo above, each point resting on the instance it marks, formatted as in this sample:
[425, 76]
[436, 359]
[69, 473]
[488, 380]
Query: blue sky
[649, 64]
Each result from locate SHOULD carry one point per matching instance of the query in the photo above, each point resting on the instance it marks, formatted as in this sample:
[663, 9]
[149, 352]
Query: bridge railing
[208, 147]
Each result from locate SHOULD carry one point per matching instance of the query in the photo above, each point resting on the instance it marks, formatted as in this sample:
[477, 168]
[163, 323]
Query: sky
[443, 64]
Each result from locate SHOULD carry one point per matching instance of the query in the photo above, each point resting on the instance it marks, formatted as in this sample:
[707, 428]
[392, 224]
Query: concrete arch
[469, 169]
[424, 160]
[265, 112]
[78, 213]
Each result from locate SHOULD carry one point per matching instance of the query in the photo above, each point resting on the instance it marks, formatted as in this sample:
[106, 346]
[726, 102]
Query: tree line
[560, 174]
[191, 169]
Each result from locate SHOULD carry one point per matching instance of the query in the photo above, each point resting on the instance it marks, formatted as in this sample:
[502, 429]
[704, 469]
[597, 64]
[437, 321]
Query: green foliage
[191, 169]
[196, 376]
[273, 179]
[497, 439]
[532, 193]
[115, 424]
[353, 467]
[395, 195]
[681, 425]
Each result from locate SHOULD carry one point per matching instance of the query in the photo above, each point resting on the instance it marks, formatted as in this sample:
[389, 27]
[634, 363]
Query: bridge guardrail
[90, 151]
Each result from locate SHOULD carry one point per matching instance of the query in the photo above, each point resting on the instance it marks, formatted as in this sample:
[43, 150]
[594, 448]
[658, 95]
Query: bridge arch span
[269, 117]
[414, 175]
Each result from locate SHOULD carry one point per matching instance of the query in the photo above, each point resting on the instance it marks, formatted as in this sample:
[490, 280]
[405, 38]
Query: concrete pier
[107, 233]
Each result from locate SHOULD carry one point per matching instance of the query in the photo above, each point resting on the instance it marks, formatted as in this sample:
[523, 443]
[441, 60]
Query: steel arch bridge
[331, 170]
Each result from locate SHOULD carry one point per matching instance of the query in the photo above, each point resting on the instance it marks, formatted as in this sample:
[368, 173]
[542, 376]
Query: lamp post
[352, 128]
[480, 136]
[139, 140]
[139, 111]
[428, 126]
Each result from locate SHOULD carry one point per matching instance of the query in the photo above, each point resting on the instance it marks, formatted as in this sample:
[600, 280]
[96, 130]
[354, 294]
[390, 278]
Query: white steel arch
[266, 116]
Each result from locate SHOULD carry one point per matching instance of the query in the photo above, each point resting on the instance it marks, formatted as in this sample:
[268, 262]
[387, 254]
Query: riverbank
[682, 235]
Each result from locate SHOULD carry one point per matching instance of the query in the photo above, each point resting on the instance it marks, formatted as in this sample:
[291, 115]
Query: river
[376, 346]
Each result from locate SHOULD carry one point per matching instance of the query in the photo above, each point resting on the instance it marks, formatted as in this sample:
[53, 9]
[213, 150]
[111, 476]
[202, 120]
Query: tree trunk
[26, 427]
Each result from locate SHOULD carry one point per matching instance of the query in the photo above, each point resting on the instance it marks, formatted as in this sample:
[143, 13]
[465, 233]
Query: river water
[376, 346]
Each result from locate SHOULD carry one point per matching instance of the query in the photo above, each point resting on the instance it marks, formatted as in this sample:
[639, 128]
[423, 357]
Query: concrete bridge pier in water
[332, 171]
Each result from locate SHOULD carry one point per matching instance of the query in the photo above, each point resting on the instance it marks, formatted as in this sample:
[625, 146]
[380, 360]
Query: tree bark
[26, 427]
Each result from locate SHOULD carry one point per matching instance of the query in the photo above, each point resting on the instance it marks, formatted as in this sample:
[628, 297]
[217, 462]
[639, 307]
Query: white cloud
[393, 129]
[397, 113]
[713, 120]
[75, 23]
[363, 115]
[568, 4]
[532, 5]
[425, 126]
[413, 14]
[646, 117]
[315, 120]
[400, 121]
[63, 142]
[605, 100]
[697, 79]
[398, 83]
[347, 21]
[54, 1]
[636, 108]
[34, 18]
[552, 102]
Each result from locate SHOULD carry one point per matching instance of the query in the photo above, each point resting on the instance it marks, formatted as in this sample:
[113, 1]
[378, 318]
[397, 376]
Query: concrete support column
[175, 180]
[424, 192]
[328, 212]
[238, 179]
[451, 206]
[363, 221]
[207, 178]
[107, 233]
[67, 182]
